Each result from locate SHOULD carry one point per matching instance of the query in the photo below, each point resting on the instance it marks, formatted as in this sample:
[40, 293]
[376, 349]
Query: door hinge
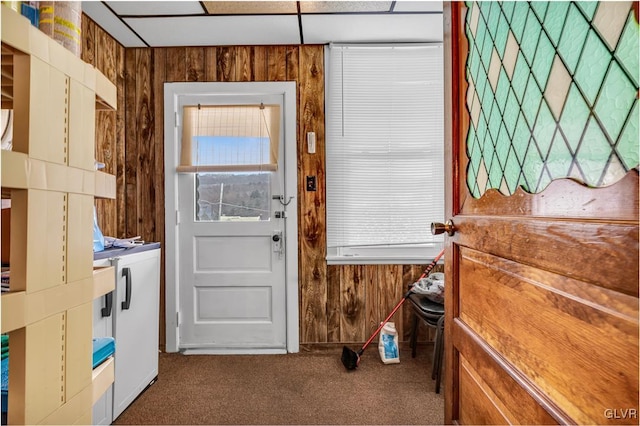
[177, 217]
[177, 319]
[177, 120]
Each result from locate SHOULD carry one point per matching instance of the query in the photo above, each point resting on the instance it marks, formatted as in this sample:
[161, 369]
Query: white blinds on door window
[384, 152]
[229, 138]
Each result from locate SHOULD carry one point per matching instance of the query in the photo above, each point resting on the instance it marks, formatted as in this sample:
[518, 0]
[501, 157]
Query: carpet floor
[308, 388]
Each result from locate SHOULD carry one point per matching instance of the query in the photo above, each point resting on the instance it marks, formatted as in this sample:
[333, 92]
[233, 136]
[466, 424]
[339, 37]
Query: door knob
[275, 238]
[439, 228]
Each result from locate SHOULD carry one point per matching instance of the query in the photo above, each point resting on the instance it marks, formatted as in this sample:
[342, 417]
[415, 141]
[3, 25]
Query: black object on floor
[432, 314]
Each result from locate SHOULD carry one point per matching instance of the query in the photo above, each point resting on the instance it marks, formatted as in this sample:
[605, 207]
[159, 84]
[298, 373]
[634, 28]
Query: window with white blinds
[384, 152]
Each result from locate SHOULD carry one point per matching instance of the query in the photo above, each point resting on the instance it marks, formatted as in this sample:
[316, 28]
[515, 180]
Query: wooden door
[542, 285]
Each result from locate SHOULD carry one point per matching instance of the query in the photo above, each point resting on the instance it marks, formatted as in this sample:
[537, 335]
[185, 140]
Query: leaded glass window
[553, 93]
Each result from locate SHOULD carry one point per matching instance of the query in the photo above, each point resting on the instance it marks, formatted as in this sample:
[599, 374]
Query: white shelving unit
[51, 180]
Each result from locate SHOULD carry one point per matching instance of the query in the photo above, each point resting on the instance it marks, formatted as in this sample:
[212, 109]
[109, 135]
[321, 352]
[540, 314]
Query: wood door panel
[502, 384]
[562, 198]
[572, 344]
[592, 251]
[478, 404]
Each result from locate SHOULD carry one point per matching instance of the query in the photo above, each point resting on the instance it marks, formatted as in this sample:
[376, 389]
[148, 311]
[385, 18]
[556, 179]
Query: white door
[231, 238]
[232, 274]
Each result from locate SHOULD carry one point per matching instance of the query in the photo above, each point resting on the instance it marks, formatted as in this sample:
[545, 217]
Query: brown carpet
[311, 387]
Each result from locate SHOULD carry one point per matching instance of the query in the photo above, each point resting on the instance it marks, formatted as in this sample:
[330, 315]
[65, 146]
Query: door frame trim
[172, 91]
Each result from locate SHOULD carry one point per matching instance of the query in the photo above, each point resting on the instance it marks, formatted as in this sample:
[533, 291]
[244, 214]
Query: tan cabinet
[51, 180]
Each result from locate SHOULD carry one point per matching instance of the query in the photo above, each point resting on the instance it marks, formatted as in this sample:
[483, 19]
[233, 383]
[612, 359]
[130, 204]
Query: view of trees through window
[233, 196]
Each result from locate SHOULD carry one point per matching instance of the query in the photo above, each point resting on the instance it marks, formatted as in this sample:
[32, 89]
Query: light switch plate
[311, 142]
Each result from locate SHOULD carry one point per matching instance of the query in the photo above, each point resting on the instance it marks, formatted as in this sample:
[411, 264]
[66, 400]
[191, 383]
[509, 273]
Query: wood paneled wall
[338, 304]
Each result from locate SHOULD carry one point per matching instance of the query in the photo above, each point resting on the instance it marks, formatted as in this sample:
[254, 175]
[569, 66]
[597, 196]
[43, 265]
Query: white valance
[229, 138]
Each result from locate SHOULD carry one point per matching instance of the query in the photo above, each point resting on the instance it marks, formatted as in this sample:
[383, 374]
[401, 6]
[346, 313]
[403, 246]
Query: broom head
[350, 359]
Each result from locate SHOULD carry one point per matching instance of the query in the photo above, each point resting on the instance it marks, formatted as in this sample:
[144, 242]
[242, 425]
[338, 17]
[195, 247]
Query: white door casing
[233, 290]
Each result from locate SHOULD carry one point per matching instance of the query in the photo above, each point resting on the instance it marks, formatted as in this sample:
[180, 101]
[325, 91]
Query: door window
[232, 197]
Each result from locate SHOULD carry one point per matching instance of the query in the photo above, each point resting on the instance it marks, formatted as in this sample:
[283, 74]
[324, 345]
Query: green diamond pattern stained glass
[555, 86]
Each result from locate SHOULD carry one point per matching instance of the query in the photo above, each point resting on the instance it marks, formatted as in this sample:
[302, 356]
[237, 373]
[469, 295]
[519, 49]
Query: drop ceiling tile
[155, 8]
[98, 12]
[320, 29]
[217, 30]
[249, 7]
[344, 6]
[418, 6]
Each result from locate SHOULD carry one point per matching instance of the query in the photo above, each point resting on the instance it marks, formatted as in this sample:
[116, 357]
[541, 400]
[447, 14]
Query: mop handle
[426, 271]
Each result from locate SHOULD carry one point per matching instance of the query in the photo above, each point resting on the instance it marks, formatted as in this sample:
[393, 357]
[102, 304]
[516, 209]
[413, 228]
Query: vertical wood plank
[334, 308]
[119, 169]
[88, 40]
[407, 278]
[372, 317]
[159, 77]
[104, 153]
[176, 64]
[311, 213]
[353, 307]
[106, 54]
[260, 63]
[244, 63]
[390, 293]
[147, 150]
[131, 136]
[210, 64]
[194, 63]
[226, 63]
[276, 63]
[293, 57]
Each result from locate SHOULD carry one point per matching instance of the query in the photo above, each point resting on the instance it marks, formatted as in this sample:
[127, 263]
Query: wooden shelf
[20, 308]
[106, 93]
[14, 169]
[13, 310]
[105, 186]
[104, 280]
[20, 37]
[21, 172]
[102, 378]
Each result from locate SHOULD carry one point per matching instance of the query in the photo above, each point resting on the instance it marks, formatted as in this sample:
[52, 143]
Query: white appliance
[133, 321]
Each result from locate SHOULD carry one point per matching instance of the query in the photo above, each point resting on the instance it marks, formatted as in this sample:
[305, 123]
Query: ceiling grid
[207, 23]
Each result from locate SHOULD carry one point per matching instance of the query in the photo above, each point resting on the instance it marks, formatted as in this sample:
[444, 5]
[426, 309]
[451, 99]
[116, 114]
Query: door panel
[233, 254]
[542, 289]
[541, 324]
[238, 304]
[478, 402]
[501, 387]
[605, 246]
